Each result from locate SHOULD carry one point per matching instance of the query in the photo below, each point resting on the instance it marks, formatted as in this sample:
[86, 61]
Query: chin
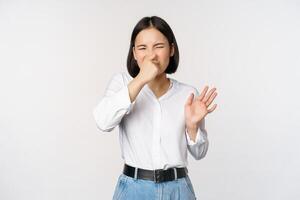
[161, 73]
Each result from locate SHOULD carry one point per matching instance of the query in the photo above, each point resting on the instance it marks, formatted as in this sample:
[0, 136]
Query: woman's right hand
[149, 69]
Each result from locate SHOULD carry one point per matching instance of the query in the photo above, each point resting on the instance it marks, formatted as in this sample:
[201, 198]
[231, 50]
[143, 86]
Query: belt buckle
[158, 176]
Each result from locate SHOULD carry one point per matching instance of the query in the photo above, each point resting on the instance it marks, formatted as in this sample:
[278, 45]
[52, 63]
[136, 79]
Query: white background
[56, 58]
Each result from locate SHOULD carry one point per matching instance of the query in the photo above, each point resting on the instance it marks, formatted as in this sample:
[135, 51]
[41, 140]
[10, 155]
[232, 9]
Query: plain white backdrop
[56, 58]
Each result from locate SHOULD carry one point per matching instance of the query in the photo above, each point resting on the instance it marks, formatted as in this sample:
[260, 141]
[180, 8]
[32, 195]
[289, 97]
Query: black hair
[162, 26]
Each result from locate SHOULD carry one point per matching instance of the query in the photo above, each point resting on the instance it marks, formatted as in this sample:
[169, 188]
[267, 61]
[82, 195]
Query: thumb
[189, 100]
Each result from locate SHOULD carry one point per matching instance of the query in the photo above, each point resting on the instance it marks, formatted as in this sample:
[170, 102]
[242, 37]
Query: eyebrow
[143, 45]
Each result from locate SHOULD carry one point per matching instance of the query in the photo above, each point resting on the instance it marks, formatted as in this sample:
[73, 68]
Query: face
[152, 42]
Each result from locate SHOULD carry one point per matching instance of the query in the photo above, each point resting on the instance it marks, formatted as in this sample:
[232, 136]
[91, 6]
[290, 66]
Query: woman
[159, 118]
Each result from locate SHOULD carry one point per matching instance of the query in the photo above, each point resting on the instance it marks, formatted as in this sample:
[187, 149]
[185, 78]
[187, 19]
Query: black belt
[158, 175]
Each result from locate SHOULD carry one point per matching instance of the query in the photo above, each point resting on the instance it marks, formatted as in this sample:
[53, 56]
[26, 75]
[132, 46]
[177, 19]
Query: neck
[159, 83]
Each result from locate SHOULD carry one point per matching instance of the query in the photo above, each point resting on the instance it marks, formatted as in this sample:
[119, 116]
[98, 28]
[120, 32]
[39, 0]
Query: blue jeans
[128, 188]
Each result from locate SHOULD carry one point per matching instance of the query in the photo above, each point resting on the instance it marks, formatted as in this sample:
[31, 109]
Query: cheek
[164, 54]
[139, 59]
[140, 56]
[164, 57]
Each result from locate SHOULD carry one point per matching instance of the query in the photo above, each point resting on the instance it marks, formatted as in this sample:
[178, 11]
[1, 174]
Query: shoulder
[185, 87]
[121, 78]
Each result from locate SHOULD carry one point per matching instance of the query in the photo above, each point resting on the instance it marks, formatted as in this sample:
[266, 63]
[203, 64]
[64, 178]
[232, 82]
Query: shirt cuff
[199, 137]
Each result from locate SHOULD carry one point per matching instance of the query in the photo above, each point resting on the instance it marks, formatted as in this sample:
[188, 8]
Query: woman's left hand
[196, 109]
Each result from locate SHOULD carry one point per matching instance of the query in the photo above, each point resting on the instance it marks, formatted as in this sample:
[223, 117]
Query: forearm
[192, 131]
[197, 146]
[134, 87]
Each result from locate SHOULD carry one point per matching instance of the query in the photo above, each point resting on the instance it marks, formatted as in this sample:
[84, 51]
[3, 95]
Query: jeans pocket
[120, 188]
[189, 185]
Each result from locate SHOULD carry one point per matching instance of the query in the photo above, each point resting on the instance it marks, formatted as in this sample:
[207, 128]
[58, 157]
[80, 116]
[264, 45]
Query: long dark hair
[162, 26]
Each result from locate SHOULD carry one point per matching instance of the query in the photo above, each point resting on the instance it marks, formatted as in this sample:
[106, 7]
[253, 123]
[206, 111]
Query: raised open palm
[196, 109]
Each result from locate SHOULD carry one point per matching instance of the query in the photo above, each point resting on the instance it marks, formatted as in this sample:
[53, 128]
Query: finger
[210, 100]
[189, 101]
[212, 108]
[200, 97]
[208, 95]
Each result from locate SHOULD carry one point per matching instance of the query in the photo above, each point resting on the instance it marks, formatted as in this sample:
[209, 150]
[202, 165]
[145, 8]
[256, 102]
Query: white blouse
[152, 132]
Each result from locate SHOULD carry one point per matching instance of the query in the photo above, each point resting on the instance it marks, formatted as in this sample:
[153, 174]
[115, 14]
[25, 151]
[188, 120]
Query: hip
[133, 188]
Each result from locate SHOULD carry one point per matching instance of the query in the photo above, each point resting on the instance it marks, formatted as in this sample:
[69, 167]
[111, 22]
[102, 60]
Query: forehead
[150, 35]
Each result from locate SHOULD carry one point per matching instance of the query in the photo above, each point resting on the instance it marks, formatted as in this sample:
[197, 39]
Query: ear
[133, 51]
[172, 50]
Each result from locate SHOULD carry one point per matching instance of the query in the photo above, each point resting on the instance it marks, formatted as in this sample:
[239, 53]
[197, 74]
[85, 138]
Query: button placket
[156, 135]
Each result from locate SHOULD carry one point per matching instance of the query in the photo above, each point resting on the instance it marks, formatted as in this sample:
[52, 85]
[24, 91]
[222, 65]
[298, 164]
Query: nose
[151, 55]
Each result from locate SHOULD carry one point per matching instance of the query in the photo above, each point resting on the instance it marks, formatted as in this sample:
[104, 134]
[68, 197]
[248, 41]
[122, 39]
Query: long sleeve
[114, 104]
[198, 149]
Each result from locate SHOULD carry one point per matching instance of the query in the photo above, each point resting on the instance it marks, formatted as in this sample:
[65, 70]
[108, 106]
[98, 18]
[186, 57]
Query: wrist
[139, 80]
[191, 126]
[192, 133]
